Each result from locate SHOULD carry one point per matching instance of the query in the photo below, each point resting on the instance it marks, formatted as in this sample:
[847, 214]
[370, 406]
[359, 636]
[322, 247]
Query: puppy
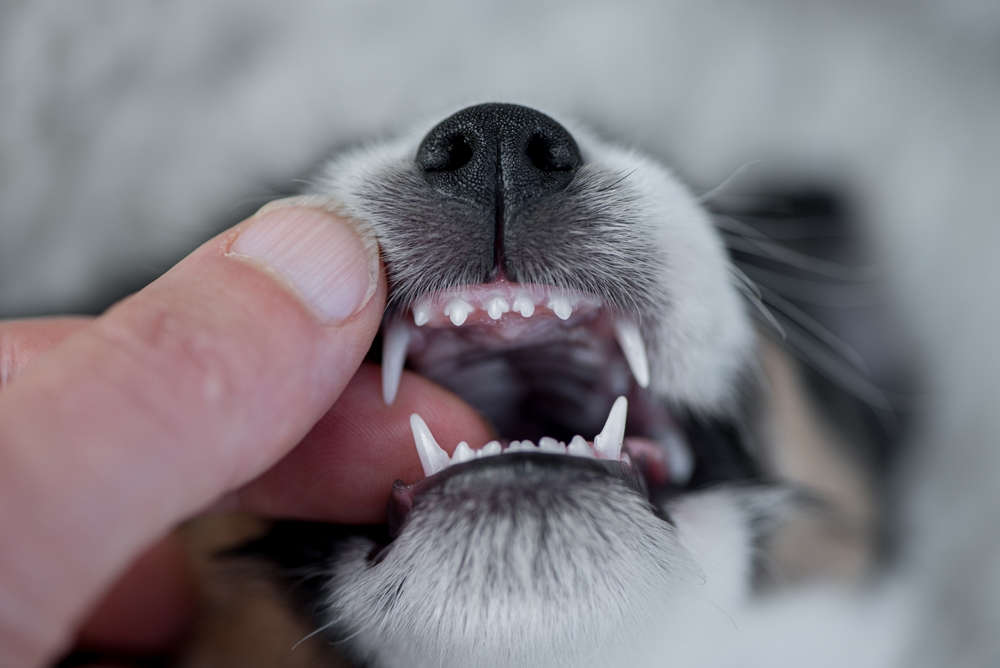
[584, 301]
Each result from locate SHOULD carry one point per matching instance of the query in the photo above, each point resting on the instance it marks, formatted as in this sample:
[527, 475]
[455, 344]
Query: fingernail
[330, 262]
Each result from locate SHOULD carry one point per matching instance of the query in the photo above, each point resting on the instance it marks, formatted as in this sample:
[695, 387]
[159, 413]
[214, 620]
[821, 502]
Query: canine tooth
[457, 311]
[490, 449]
[630, 341]
[609, 442]
[496, 307]
[432, 457]
[578, 447]
[394, 343]
[561, 307]
[463, 453]
[549, 444]
[524, 306]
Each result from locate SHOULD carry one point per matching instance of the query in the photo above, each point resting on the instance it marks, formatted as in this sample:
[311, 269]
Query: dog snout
[498, 156]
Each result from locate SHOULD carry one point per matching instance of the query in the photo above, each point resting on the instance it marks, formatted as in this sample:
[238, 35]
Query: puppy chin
[528, 565]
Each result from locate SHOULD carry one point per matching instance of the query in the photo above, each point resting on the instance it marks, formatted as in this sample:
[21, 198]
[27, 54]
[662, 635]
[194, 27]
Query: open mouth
[554, 371]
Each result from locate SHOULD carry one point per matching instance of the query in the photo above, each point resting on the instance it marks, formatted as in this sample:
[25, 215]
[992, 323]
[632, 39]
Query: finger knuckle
[8, 358]
[180, 353]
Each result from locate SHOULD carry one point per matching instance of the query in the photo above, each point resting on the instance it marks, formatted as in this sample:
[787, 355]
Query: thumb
[178, 394]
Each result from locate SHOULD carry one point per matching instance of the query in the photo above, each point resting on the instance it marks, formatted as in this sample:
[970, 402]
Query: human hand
[211, 387]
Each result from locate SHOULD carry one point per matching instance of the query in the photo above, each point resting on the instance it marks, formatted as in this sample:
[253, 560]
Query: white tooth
[679, 459]
[524, 306]
[421, 314]
[496, 307]
[458, 310]
[463, 453]
[578, 446]
[549, 444]
[394, 342]
[609, 442]
[432, 457]
[561, 307]
[630, 341]
[490, 449]
[520, 446]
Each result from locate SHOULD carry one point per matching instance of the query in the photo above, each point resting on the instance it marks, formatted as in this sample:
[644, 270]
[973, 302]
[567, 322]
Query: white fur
[663, 591]
[705, 338]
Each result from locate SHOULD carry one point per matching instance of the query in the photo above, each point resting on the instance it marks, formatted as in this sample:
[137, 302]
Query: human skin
[235, 380]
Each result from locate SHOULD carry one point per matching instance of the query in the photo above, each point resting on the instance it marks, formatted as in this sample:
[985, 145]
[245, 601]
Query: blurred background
[130, 132]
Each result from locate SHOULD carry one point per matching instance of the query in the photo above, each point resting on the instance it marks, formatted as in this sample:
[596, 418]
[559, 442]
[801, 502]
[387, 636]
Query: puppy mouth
[558, 373]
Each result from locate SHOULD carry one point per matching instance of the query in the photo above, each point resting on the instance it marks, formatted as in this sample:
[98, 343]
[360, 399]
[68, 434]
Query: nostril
[498, 156]
[550, 155]
[447, 154]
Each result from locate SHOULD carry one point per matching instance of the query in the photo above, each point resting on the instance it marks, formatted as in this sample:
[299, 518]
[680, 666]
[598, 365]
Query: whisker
[828, 294]
[745, 280]
[315, 633]
[769, 228]
[704, 197]
[809, 324]
[850, 379]
[310, 183]
[751, 291]
[798, 260]
[735, 230]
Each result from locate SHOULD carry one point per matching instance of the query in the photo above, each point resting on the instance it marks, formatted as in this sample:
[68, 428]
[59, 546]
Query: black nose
[498, 155]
